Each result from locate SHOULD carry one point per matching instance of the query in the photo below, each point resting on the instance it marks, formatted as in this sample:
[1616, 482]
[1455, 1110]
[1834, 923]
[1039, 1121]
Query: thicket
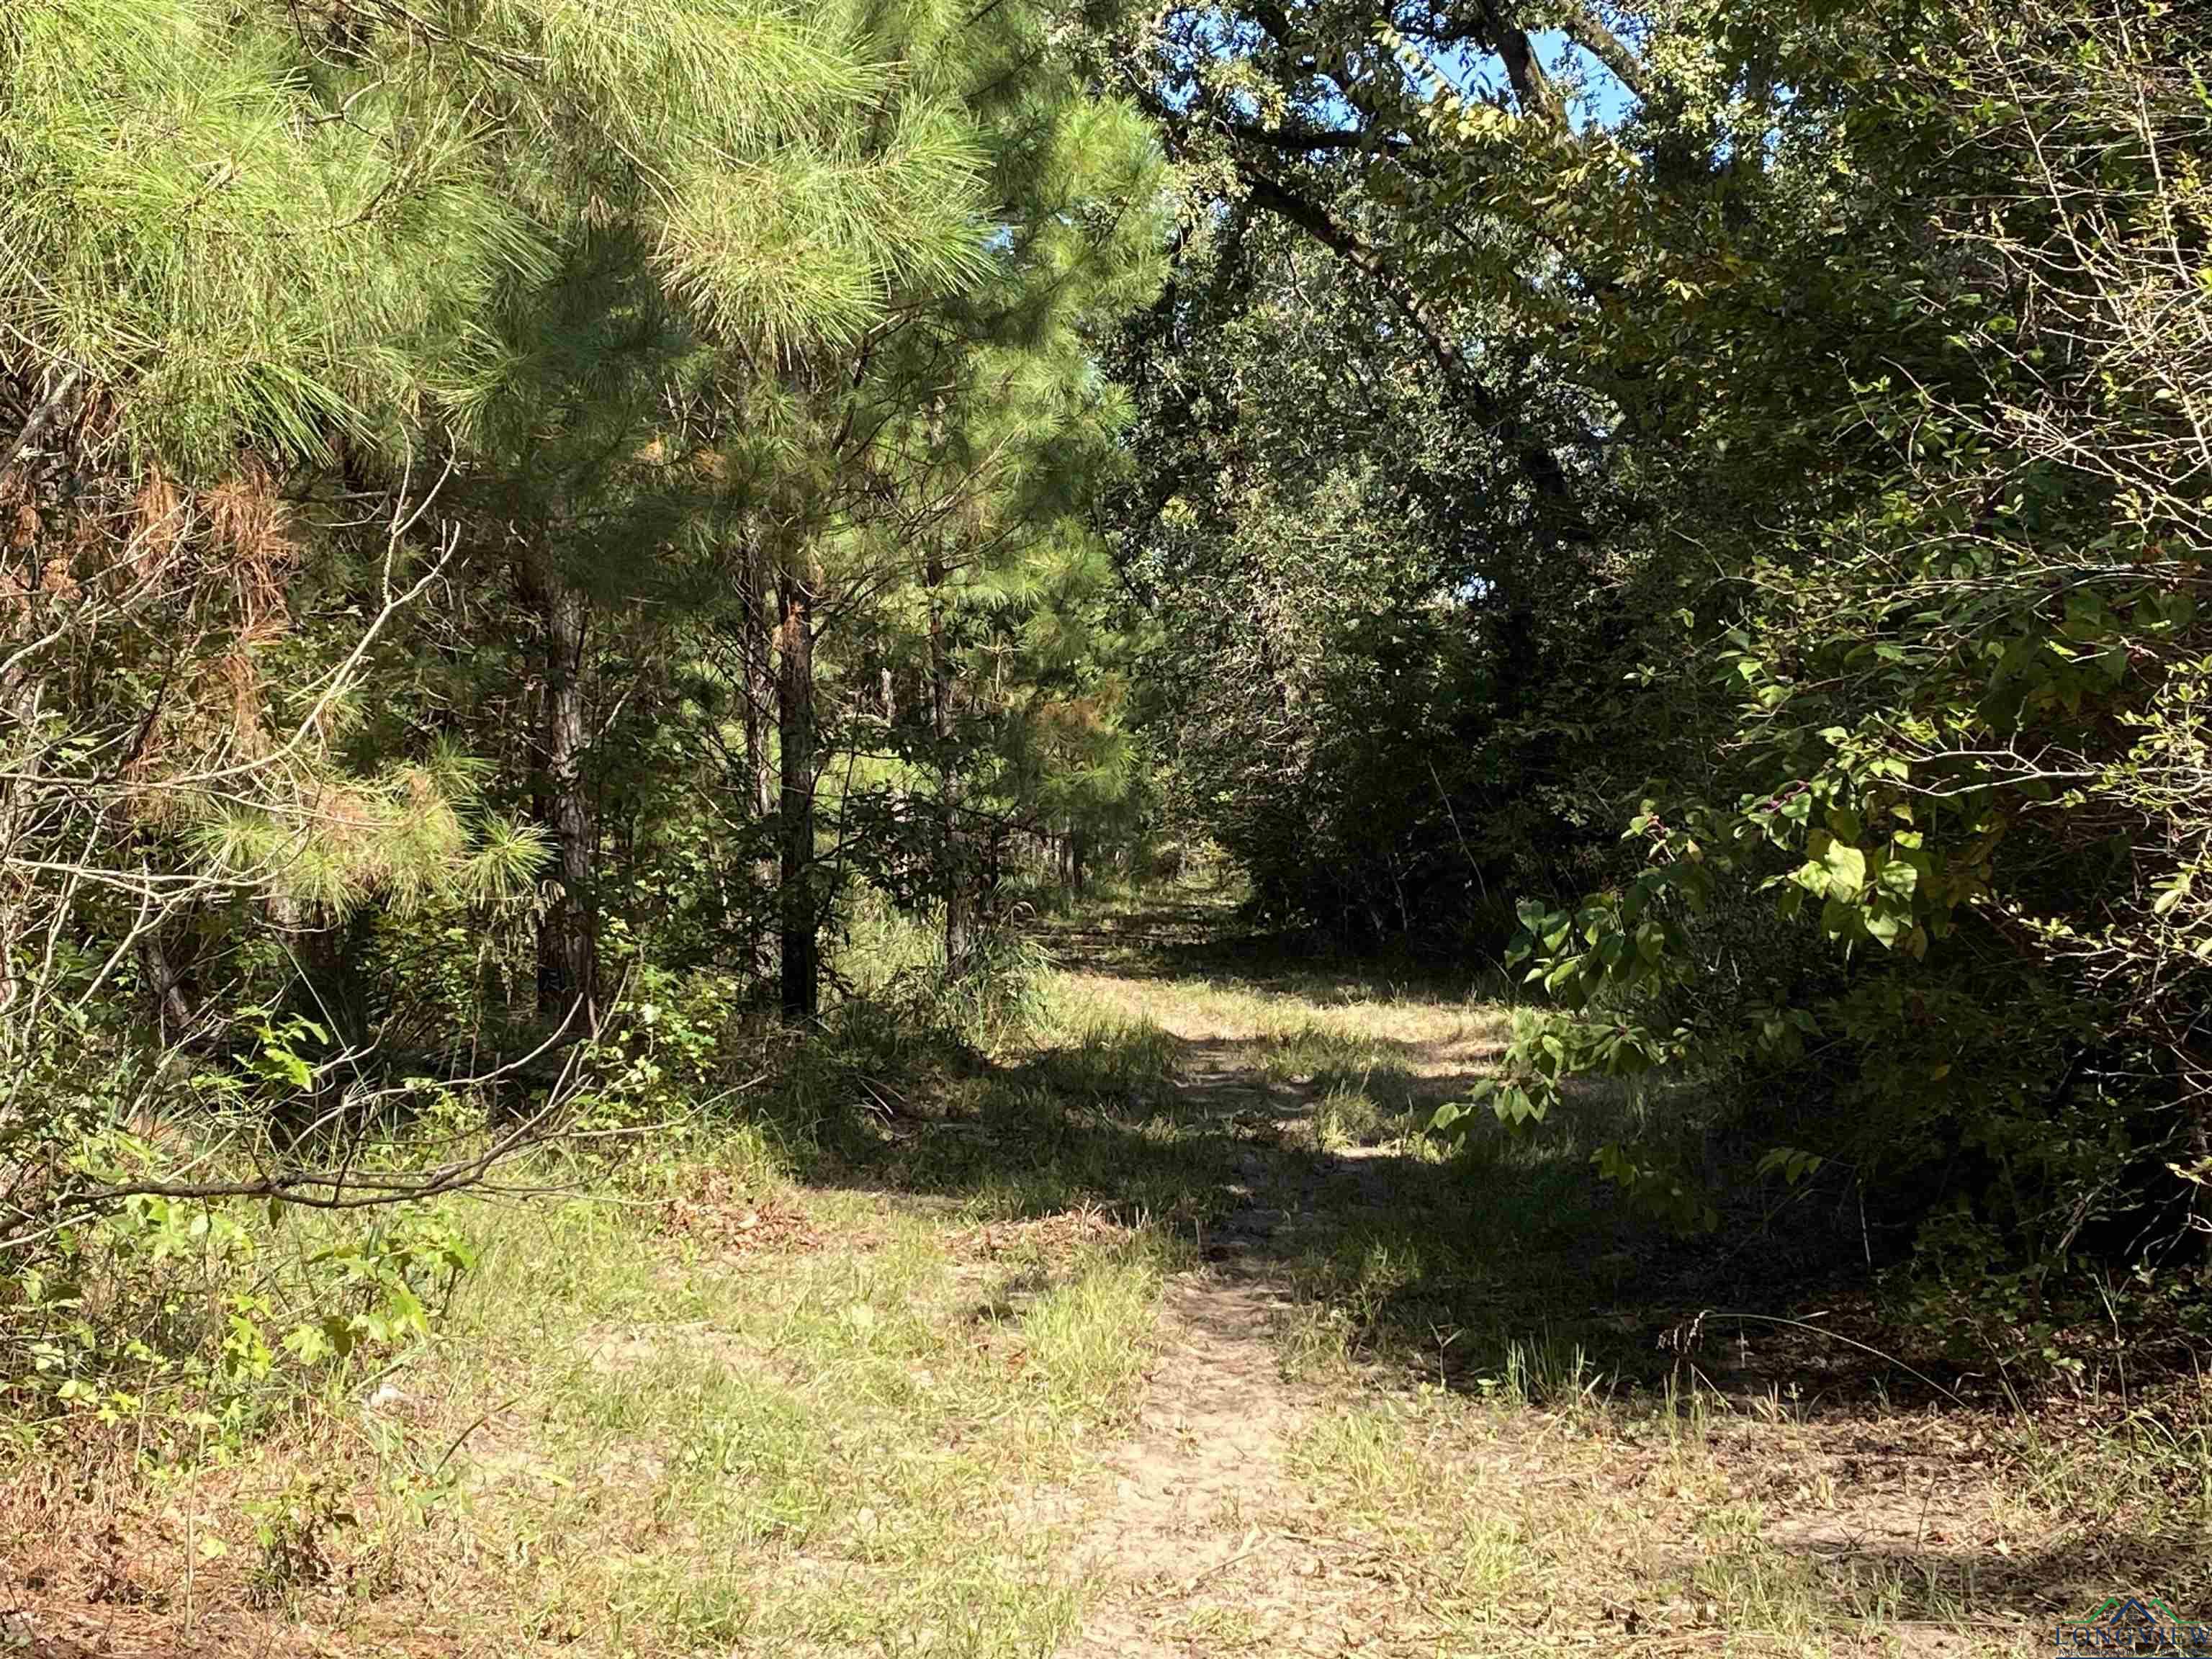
[526, 526]
[1709, 503]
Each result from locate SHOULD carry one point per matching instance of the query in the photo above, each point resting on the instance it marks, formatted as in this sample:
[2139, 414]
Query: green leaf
[1847, 867]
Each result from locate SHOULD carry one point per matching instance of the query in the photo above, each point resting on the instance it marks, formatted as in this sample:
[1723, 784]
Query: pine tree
[362, 246]
[984, 420]
[771, 199]
[453, 377]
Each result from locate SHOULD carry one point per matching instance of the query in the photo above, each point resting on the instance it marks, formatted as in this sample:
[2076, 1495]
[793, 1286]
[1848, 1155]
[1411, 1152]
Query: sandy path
[1207, 1542]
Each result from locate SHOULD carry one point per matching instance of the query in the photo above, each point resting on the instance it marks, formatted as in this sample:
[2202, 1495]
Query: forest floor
[1168, 1336]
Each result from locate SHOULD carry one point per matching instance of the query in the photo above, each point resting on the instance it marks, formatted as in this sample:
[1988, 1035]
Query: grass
[710, 1410]
[855, 1429]
[1618, 1522]
[834, 1381]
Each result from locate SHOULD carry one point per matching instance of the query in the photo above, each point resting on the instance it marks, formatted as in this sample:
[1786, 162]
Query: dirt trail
[1201, 1547]
[1429, 1484]
[1208, 1543]
[1230, 1524]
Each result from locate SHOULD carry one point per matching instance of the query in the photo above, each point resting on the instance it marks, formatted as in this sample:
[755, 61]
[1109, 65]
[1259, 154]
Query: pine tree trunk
[802, 944]
[172, 1008]
[567, 933]
[756, 648]
[959, 928]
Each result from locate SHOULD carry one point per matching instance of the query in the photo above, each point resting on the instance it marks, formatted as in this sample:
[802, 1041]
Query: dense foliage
[1776, 433]
[521, 520]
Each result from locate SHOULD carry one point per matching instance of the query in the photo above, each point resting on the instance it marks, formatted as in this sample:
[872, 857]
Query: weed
[293, 1533]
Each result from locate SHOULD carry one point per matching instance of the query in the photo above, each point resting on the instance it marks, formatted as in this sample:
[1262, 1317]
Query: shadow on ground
[1264, 1107]
[1507, 1273]
[1296, 1159]
[1201, 935]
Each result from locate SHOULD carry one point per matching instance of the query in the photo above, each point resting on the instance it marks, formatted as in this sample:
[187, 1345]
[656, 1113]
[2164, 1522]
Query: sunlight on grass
[1366, 1464]
[788, 1448]
[1357, 1026]
[1504, 1519]
[1078, 1335]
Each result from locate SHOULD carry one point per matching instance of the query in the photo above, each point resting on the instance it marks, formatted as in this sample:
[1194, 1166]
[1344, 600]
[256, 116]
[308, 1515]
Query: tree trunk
[959, 927]
[757, 648]
[172, 1008]
[802, 943]
[567, 933]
